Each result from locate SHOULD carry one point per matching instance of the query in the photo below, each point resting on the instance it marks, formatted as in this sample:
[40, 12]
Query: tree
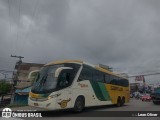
[5, 87]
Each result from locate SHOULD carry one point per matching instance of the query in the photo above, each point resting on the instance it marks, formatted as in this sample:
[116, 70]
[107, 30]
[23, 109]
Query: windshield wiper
[41, 82]
[44, 79]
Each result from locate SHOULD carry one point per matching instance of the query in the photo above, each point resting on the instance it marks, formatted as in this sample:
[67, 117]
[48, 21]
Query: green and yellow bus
[77, 84]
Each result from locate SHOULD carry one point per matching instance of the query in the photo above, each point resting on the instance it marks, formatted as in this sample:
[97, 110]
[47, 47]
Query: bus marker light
[35, 104]
[52, 96]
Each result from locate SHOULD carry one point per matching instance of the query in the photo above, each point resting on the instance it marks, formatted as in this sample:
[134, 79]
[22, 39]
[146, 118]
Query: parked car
[146, 98]
[141, 95]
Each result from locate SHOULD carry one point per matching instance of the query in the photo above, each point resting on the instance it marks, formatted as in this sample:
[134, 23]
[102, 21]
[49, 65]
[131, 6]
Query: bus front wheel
[79, 104]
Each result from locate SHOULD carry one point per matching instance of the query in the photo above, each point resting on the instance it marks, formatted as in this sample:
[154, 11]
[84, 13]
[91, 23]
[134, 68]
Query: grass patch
[2, 105]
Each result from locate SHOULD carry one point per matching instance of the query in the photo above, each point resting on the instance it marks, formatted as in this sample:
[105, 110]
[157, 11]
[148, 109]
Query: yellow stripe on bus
[33, 95]
[64, 61]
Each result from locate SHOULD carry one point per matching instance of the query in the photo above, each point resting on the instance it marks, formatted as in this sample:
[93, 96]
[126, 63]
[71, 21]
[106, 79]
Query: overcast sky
[124, 34]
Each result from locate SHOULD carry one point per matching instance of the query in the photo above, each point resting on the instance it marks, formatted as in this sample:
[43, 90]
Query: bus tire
[155, 102]
[79, 104]
[118, 102]
[122, 101]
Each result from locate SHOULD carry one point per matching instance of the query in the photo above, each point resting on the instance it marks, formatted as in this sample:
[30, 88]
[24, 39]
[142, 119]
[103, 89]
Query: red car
[146, 98]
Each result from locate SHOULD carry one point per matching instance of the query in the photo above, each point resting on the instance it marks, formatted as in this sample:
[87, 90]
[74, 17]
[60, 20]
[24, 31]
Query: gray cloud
[123, 34]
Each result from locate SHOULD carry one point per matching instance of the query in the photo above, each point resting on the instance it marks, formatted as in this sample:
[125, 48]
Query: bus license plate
[35, 104]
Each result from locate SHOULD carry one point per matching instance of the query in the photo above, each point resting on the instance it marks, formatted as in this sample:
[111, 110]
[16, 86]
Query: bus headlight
[53, 96]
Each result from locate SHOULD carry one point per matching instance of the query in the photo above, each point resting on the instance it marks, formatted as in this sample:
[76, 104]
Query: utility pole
[15, 76]
[20, 58]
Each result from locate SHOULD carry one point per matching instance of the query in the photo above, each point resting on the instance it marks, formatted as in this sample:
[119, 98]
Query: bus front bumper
[47, 104]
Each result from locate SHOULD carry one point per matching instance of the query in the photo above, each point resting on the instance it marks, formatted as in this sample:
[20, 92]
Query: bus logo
[82, 85]
[116, 88]
[63, 103]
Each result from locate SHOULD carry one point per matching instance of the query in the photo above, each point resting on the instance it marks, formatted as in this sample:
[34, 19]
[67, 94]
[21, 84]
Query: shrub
[5, 87]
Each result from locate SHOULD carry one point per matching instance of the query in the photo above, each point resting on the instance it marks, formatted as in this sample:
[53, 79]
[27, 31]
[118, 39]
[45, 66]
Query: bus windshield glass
[46, 82]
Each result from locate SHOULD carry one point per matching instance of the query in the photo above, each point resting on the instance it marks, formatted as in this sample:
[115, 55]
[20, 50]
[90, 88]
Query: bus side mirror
[60, 69]
[32, 75]
[80, 78]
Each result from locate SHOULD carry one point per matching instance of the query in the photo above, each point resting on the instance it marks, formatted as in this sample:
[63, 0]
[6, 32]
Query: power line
[35, 8]
[9, 16]
[19, 2]
[10, 27]
[145, 74]
[18, 24]
[142, 73]
[6, 71]
[18, 19]
[33, 16]
[5, 75]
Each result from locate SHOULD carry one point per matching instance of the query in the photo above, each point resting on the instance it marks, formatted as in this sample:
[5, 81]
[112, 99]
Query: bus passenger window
[86, 73]
[107, 78]
[113, 80]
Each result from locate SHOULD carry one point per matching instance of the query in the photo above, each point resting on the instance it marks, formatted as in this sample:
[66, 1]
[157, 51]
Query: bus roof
[82, 62]
[64, 61]
[103, 70]
[109, 72]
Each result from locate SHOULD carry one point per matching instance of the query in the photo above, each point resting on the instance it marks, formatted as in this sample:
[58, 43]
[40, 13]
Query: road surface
[134, 105]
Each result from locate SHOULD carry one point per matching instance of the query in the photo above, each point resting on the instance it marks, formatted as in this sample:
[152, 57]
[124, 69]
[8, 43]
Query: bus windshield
[46, 82]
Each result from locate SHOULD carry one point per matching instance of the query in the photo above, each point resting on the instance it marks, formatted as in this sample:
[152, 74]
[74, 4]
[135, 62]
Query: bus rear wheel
[122, 101]
[118, 102]
[156, 102]
[79, 104]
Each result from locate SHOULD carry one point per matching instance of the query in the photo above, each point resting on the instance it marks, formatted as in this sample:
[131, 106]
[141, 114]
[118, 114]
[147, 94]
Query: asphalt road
[134, 105]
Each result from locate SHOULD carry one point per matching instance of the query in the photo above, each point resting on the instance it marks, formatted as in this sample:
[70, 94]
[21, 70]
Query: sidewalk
[25, 108]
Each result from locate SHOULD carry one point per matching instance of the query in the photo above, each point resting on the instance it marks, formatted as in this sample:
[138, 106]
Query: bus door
[64, 99]
[65, 93]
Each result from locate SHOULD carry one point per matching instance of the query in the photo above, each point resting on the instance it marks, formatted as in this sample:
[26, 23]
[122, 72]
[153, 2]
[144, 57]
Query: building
[22, 72]
[135, 87]
[21, 82]
[141, 87]
[21, 96]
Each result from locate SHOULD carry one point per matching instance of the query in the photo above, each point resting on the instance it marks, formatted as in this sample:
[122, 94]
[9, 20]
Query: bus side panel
[64, 100]
[101, 94]
[83, 88]
[95, 93]
[118, 91]
[104, 91]
[98, 91]
[111, 93]
[127, 94]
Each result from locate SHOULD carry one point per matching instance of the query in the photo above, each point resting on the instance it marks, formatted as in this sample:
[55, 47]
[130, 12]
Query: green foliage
[5, 87]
